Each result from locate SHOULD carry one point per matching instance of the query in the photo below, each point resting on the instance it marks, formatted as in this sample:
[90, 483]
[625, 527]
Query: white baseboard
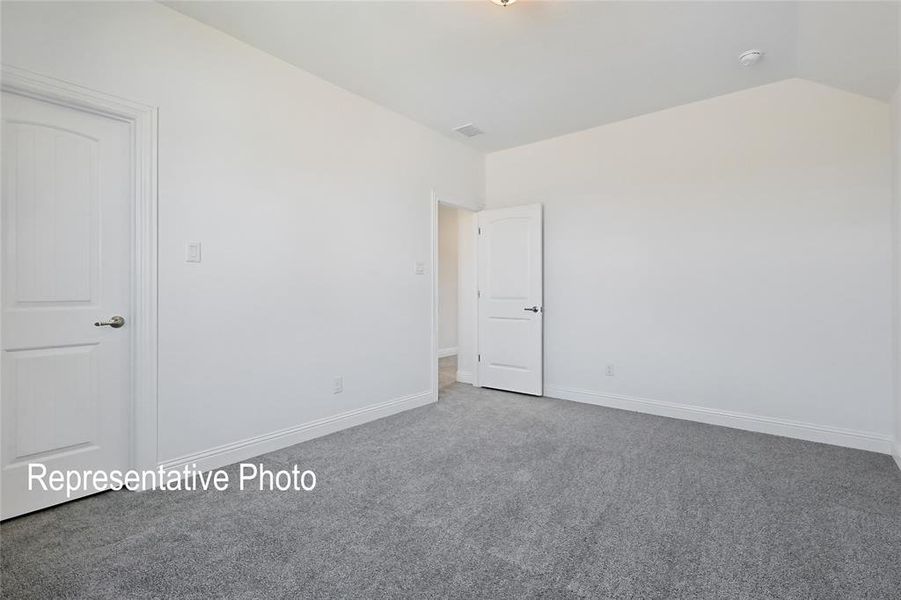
[848, 438]
[896, 454]
[227, 454]
[445, 352]
[464, 377]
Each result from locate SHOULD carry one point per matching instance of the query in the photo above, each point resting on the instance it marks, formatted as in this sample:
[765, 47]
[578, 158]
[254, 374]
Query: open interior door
[510, 299]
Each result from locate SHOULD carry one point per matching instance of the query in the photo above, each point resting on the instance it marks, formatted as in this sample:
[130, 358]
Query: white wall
[896, 167]
[447, 279]
[732, 254]
[312, 205]
[896, 146]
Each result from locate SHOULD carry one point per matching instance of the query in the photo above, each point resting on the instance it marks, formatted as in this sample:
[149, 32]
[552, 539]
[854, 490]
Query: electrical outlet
[339, 385]
[610, 370]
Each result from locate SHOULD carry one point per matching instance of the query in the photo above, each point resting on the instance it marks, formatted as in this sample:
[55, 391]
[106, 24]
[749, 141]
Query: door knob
[533, 309]
[115, 322]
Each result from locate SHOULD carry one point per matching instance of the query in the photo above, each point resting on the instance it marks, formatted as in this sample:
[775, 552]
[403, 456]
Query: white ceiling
[536, 70]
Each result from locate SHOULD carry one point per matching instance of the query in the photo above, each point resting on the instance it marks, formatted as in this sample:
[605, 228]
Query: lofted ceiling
[536, 70]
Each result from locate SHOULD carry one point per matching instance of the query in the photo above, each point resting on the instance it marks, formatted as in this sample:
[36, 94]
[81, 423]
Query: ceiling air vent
[469, 130]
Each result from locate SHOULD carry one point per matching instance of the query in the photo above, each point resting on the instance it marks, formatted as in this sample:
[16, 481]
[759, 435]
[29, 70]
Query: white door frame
[434, 271]
[142, 121]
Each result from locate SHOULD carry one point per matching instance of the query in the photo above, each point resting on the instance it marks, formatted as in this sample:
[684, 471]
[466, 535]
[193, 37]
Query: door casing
[435, 200]
[142, 121]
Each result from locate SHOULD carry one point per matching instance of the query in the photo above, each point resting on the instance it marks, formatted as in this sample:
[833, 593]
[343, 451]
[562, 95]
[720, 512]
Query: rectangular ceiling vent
[469, 130]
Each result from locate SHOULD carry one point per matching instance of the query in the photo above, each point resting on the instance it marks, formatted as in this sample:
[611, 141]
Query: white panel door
[510, 299]
[67, 223]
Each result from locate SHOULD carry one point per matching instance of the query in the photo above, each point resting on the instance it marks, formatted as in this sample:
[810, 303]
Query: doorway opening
[455, 297]
[487, 308]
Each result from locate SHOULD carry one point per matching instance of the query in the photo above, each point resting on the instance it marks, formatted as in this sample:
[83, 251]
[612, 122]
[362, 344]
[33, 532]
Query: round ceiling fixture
[503, 2]
[750, 57]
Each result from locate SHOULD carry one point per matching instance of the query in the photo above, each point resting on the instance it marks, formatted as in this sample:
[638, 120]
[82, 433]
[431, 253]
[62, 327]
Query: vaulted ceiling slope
[536, 70]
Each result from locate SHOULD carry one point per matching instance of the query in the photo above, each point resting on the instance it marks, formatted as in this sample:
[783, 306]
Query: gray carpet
[494, 495]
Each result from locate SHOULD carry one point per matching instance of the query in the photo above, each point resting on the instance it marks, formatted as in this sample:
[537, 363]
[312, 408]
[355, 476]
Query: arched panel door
[511, 310]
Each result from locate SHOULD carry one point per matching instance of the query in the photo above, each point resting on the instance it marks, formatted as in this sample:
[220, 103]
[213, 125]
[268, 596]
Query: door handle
[533, 309]
[115, 322]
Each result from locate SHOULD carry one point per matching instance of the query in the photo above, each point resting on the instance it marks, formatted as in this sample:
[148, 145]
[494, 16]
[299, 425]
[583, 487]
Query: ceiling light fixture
[749, 57]
[504, 3]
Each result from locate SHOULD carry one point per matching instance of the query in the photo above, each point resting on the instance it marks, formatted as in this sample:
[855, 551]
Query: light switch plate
[192, 252]
[419, 268]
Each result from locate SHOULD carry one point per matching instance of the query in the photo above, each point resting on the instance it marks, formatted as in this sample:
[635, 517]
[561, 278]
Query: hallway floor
[447, 372]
